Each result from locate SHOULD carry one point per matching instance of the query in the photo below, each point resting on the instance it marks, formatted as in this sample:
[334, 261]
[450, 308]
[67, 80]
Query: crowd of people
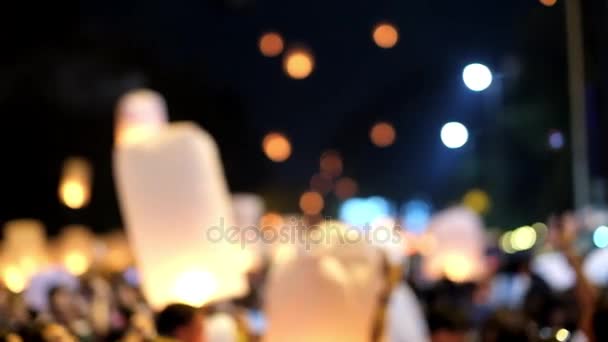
[510, 303]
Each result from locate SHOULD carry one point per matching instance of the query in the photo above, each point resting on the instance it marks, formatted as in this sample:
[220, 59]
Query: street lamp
[477, 77]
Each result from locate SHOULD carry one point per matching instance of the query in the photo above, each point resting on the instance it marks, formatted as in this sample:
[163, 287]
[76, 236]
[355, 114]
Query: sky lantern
[385, 35]
[23, 252]
[327, 293]
[76, 246]
[115, 254]
[271, 44]
[382, 134]
[75, 183]
[459, 245]
[298, 63]
[175, 203]
[277, 147]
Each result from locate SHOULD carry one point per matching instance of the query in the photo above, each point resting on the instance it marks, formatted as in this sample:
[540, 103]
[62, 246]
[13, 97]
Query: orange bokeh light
[311, 203]
[271, 44]
[298, 63]
[345, 188]
[271, 220]
[385, 35]
[321, 183]
[548, 3]
[331, 164]
[277, 147]
[382, 134]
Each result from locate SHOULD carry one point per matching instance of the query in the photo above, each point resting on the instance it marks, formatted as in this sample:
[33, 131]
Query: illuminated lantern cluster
[76, 246]
[75, 183]
[165, 179]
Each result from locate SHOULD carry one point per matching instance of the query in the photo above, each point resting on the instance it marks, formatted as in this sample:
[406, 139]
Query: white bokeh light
[454, 135]
[477, 77]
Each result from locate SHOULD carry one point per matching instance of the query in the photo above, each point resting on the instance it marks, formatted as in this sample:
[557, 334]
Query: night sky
[63, 68]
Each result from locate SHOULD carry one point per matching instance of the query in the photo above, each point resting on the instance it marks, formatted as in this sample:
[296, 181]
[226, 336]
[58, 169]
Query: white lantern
[328, 293]
[459, 246]
[175, 203]
[75, 183]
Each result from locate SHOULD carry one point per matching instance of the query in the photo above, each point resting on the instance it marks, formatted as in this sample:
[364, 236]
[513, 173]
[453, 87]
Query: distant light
[75, 183]
[548, 3]
[454, 135]
[477, 200]
[385, 35]
[321, 183]
[271, 44]
[523, 238]
[298, 63]
[477, 77]
[76, 263]
[331, 164]
[541, 230]
[382, 134]
[346, 188]
[271, 220]
[73, 194]
[276, 147]
[600, 237]
[362, 211]
[556, 140]
[457, 268]
[14, 279]
[562, 334]
[416, 215]
[311, 203]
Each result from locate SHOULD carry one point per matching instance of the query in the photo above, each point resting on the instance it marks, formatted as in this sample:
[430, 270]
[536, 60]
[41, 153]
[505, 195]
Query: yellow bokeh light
[382, 134]
[13, 279]
[477, 200]
[271, 44]
[457, 268]
[311, 203]
[271, 220]
[73, 195]
[523, 238]
[194, 288]
[75, 183]
[562, 335]
[298, 64]
[548, 3]
[385, 35]
[505, 243]
[76, 263]
[277, 147]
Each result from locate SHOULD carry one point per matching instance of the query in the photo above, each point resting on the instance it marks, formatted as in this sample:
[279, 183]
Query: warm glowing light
[321, 183]
[298, 63]
[382, 134]
[24, 247]
[13, 279]
[271, 220]
[139, 115]
[75, 183]
[523, 238]
[454, 135]
[457, 268]
[548, 3]
[600, 237]
[194, 288]
[76, 263]
[385, 35]
[116, 256]
[346, 188]
[562, 335]
[331, 164]
[477, 77]
[426, 244]
[311, 203]
[271, 44]
[276, 147]
[477, 200]
[505, 243]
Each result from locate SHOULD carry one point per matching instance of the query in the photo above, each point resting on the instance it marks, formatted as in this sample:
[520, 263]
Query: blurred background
[330, 72]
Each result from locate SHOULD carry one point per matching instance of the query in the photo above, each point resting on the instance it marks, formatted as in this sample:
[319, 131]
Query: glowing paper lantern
[548, 3]
[298, 63]
[75, 183]
[331, 164]
[176, 206]
[24, 251]
[345, 188]
[385, 35]
[329, 293]
[115, 252]
[76, 249]
[458, 253]
[311, 203]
